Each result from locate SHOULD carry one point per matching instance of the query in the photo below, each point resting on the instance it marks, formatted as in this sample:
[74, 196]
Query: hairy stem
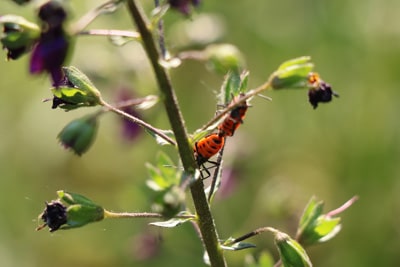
[252, 233]
[138, 121]
[205, 219]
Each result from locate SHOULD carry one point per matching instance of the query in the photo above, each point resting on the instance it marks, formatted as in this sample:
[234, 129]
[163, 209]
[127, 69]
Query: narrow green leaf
[174, 221]
[238, 246]
[121, 40]
[156, 181]
[244, 79]
[159, 139]
[312, 211]
[295, 61]
[230, 87]
[148, 103]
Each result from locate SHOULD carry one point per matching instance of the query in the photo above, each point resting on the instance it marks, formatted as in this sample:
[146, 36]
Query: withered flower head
[54, 215]
[320, 91]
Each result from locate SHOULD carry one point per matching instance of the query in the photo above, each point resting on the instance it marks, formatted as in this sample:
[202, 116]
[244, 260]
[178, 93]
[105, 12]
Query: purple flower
[183, 5]
[52, 48]
[145, 246]
[49, 54]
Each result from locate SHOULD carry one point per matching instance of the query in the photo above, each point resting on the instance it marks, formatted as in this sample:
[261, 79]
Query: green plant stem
[138, 121]
[251, 234]
[205, 219]
[89, 17]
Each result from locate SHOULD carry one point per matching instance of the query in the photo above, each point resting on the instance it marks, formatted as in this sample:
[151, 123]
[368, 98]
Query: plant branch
[252, 233]
[86, 19]
[205, 219]
[138, 121]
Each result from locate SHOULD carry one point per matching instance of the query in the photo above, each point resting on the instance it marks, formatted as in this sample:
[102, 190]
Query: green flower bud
[292, 73]
[21, 2]
[291, 252]
[315, 227]
[169, 202]
[19, 35]
[224, 57]
[75, 91]
[70, 210]
[79, 134]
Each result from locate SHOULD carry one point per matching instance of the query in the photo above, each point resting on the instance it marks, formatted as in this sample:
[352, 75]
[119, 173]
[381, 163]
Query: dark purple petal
[322, 94]
[228, 183]
[183, 5]
[53, 14]
[54, 215]
[49, 55]
[130, 130]
[36, 64]
[146, 246]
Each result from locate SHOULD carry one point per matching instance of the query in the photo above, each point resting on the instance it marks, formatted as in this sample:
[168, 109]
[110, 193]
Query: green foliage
[164, 180]
[316, 227]
[228, 245]
[19, 35]
[76, 91]
[164, 174]
[223, 58]
[168, 182]
[291, 252]
[174, 221]
[292, 73]
[234, 84]
[70, 210]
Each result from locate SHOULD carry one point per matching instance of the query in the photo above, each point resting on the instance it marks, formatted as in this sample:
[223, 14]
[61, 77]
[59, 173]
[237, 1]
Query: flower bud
[19, 35]
[70, 210]
[223, 58]
[292, 73]
[169, 202]
[21, 2]
[316, 227]
[79, 134]
[75, 91]
[291, 252]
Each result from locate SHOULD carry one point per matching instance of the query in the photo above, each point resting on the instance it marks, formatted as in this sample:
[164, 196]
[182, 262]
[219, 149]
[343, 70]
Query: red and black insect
[233, 120]
[207, 147]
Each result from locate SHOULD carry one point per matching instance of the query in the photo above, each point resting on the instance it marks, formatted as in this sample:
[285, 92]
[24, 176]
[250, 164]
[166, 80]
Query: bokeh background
[283, 154]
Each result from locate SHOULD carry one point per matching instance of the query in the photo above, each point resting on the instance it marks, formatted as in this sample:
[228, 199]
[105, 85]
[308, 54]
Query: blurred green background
[284, 153]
